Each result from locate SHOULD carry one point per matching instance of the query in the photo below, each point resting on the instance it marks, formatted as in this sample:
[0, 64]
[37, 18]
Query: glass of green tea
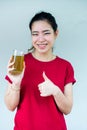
[18, 58]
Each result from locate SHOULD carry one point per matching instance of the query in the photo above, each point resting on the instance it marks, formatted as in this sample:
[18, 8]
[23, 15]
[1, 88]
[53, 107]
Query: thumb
[44, 76]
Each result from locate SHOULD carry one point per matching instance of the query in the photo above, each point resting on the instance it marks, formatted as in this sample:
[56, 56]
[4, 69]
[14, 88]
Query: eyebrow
[42, 31]
[46, 31]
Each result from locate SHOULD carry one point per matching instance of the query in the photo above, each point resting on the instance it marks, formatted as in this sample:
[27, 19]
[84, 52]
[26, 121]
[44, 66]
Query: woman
[42, 93]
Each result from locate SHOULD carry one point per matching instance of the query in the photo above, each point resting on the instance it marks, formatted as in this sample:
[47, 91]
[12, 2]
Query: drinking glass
[18, 58]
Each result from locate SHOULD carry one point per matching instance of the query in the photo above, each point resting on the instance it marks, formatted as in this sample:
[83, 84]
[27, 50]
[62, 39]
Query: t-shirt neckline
[43, 61]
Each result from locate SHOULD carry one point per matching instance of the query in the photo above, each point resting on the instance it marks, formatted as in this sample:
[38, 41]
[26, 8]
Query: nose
[41, 37]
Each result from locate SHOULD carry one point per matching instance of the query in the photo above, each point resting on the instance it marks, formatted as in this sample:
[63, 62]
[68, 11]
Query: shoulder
[64, 64]
[27, 56]
[63, 61]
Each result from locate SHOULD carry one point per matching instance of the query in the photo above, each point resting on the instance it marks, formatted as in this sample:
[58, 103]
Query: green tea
[18, 64]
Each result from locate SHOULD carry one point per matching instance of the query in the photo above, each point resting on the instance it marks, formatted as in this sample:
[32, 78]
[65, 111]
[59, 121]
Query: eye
[47, 33]
[34, 34]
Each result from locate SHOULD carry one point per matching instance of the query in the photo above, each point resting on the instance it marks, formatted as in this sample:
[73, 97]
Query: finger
[39, 85]
[10, 69]
[11, 59]
[10, 65]
[24, 65]
[44, 76]
[11, 62]
[40, 89]
[43, 94]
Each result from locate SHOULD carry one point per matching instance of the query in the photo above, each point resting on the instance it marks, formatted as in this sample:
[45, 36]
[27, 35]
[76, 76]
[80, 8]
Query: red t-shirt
[41, 113]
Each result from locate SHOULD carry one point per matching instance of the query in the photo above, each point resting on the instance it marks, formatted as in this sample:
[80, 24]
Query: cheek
[34, 40]
[51, 40]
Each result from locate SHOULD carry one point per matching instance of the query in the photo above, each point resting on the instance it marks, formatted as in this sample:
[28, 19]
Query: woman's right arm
[12, 96]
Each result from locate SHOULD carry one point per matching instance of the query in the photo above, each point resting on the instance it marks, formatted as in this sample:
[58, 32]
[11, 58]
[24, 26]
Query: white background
[71, 16]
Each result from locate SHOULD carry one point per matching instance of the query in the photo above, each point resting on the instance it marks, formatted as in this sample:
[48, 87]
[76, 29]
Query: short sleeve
[69, 74]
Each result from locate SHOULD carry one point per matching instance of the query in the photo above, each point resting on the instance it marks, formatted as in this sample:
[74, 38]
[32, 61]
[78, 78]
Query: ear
[56, 33]
[44, 76]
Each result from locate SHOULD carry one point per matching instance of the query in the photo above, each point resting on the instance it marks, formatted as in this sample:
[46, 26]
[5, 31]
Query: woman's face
[43, 36]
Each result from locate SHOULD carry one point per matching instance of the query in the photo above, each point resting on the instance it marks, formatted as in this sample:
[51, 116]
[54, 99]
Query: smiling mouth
[42, 46]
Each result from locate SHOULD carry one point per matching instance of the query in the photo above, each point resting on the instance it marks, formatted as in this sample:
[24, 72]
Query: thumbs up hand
[47, 87]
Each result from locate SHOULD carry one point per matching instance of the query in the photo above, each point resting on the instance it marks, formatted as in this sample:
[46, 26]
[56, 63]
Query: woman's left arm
[64, 100]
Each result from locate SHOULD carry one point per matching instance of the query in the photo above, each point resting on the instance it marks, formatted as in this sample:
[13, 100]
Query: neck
[43, 56]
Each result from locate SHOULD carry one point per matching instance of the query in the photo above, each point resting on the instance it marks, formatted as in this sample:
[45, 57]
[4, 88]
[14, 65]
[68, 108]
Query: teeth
[41, 44]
